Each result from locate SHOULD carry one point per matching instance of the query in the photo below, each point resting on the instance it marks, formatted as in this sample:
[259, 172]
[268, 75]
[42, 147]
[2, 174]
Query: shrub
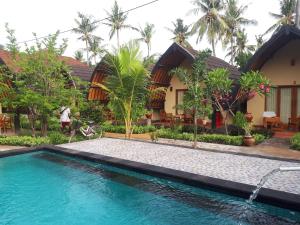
[295, 142]
[221, 139]
[57, 138]
[259, 138]
[121, 129]
[268, 133]
[24, 140]
[210, 138]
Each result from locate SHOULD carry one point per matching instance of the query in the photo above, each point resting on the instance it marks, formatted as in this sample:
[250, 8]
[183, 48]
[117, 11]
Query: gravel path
[243, 169]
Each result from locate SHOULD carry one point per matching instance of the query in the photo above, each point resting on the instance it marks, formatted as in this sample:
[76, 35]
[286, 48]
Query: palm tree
[116, 22]
[286, 15]
[180, 32]
[241, 45]
[86, 25]
[259, 41]
[78, 55]
[146, 36]
[211, 23]
[96, 48]
[126, 84]
[234, 20]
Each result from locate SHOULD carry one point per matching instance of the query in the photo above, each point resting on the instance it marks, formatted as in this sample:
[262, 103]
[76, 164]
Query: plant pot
[249, 140]
[249, 117]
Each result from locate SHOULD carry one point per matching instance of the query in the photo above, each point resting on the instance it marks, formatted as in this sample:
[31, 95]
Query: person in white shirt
[65, 120]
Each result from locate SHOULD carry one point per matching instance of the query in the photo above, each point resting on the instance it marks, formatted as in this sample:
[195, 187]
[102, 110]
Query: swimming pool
[49, 188]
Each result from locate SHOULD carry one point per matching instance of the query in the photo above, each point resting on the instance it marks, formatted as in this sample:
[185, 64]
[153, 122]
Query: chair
[294, 123]
[2, 124]
[163, 116]
[271, 120]
[7, 120]
[187, 118]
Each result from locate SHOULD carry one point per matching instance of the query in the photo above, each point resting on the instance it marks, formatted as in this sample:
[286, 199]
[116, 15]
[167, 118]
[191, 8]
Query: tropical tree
[146, 36]
[286, 15]
[180, 31]
[78, 55]
[116, 21]
[195, 98]
[212, 23]
[126, 85]
[241, 46]
[96, 49]
[235, 21]
[220, 88]
[259, 41]
[86, 25]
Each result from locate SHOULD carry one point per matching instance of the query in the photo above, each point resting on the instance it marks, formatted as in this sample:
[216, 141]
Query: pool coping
[266, 195]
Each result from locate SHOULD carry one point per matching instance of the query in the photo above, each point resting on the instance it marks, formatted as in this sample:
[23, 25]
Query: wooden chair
[7, 121]
[188, 118]
[294, 123]
[2, 123]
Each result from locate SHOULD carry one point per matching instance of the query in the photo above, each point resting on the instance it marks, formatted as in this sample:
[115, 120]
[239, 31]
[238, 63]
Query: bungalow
[175, 56]
[77, 68]
[279, 60]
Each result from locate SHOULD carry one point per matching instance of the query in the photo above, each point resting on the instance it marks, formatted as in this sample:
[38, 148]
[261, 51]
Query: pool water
[47, 188]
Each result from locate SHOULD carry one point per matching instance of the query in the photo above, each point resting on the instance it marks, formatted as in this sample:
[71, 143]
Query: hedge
[209, 138]
[295, 142]
[121, 129]
[23, 140]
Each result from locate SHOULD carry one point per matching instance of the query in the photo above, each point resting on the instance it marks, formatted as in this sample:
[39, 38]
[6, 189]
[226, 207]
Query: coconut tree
[78, 55]
[211, 23]
[126, 84]
[180, 31]
[146, 36]
[96, 48]
[241, 45]
[235, 21]
[86, 25]
[116, 21]
[286, 15]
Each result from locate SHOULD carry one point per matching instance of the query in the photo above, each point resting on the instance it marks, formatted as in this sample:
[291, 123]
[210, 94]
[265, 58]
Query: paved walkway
[244, 169]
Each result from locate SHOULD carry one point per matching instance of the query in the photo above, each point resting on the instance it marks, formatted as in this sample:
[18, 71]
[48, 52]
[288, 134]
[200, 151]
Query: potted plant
[149, 117]
[241, 121]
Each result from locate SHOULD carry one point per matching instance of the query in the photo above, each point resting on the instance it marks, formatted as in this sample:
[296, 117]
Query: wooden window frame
[176, 98]
[294, 100]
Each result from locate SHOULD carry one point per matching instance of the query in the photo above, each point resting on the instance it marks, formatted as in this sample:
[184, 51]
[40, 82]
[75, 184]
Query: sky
[47, 16]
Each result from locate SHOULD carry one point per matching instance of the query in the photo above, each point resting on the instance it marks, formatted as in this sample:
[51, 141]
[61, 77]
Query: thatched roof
[276, 42]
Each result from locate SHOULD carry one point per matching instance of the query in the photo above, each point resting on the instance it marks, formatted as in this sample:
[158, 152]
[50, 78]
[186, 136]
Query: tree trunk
[31, 119]
[17, 122]
[231, 49]
[118, 41]
[87, 52]
[44, 126]
[148, 48]
[298, 14]
[195, 131]
[213, 47]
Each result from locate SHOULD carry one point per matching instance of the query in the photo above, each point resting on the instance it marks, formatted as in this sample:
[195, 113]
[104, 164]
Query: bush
[57, 138]
[221, 139]
[295, 142]
[121, 129]
[24, 140]
[210, 138]
[259, 138]
[268, 133]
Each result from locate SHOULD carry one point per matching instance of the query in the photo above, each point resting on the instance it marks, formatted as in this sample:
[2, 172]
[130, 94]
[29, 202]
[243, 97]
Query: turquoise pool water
[47, 188]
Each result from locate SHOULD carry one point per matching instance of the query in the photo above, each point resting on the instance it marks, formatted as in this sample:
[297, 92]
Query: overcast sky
[46, 16]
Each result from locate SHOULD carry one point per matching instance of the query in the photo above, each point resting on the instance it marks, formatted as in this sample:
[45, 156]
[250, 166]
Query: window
[179, 99]
[271, 100]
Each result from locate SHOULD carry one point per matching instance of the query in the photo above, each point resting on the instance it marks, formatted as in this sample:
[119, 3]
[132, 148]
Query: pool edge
[266, 195]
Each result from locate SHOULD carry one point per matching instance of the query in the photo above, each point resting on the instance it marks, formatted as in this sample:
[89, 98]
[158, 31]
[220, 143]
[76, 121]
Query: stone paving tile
[236, 168]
